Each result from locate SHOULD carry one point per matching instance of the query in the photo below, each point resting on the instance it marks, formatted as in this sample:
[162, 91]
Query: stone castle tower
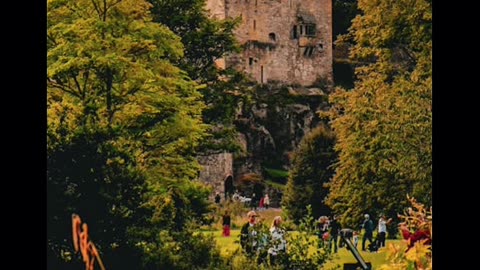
[284, 41]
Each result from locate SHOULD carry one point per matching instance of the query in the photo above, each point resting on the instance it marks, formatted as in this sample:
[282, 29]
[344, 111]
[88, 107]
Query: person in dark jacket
[334, 230]
[217, 198]
[368, 227]
[248, 234]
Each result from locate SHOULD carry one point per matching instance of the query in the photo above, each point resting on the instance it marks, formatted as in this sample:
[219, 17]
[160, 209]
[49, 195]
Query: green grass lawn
[229, 244]
[345, 256]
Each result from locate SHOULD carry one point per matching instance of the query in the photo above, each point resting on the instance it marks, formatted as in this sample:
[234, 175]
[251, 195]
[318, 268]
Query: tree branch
[62, 87]
[96, 8]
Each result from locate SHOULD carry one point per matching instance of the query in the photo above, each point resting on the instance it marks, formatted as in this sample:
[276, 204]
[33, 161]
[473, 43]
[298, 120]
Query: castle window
[308, 52]
[254, 24]
[255, 2]
[310, 30]
[261, 74]
[272, 37]
[294, 32]
[250, 61]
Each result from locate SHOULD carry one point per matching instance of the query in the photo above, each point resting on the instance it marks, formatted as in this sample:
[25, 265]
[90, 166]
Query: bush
[420, 255]
[311, 170]
[304, 250]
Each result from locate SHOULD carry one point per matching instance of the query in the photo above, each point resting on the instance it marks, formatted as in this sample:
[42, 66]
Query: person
[253, 202]
[217, 198]
[226, 224]
[355, 238]
[368, 227]
[236, 196]
[278, 243]
[382, 230]
[266, 201]
[261, 204]
[248, 234]
[322, 228]
[334, 230]
[423, 233]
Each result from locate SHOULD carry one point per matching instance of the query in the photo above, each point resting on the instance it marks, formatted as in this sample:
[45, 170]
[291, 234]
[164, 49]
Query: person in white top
[278, 243]
[382, 230]
[266, 201]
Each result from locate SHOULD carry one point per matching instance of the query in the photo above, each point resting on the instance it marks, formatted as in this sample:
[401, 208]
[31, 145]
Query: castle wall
[215, 169]
[216, 9]
[272, 50]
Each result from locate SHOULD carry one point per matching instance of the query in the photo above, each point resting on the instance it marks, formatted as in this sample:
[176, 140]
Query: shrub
[420, 255]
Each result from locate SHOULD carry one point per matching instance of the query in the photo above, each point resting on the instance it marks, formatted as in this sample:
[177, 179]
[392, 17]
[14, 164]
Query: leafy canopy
[311, 169]
[123, 125]
[384, 125]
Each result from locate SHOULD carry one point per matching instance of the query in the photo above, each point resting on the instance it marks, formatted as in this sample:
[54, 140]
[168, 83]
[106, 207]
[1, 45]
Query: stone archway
[228, 187]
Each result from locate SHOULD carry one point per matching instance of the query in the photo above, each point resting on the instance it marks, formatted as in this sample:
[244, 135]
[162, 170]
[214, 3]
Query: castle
[284, 41]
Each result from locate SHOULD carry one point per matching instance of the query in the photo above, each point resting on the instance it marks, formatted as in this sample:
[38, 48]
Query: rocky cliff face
[274, 125]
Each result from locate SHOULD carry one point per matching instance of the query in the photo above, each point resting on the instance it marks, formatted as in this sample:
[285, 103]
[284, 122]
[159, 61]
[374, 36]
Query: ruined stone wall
[273, 52]
[216, 9]
[215, 169]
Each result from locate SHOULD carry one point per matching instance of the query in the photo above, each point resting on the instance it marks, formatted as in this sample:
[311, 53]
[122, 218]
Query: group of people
[255, 242]
[329, 229]
[262, 203]
[273, 245]
[369, 227]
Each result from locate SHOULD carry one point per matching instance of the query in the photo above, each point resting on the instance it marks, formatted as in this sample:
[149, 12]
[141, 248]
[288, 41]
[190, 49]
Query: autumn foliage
[419, 254]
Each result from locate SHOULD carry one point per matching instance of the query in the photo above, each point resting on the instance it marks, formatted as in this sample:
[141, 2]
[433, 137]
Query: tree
[122, 120]
[113, 65]
[383, 126]
[206, 40]
[311, 169]
[343, 13]
[90, 177]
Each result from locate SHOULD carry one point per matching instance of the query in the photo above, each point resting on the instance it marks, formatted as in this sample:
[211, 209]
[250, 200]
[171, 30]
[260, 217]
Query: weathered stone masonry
[217, 171]
[286, 41]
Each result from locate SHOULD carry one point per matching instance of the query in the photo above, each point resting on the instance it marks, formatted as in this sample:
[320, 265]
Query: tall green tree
[206, 40]
[384, 125]
[311, 169]
[121, 119]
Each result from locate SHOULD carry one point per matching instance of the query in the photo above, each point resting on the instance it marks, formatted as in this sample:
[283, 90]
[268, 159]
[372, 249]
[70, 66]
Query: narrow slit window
[294, 32]
[261, 74]
[254, 24]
